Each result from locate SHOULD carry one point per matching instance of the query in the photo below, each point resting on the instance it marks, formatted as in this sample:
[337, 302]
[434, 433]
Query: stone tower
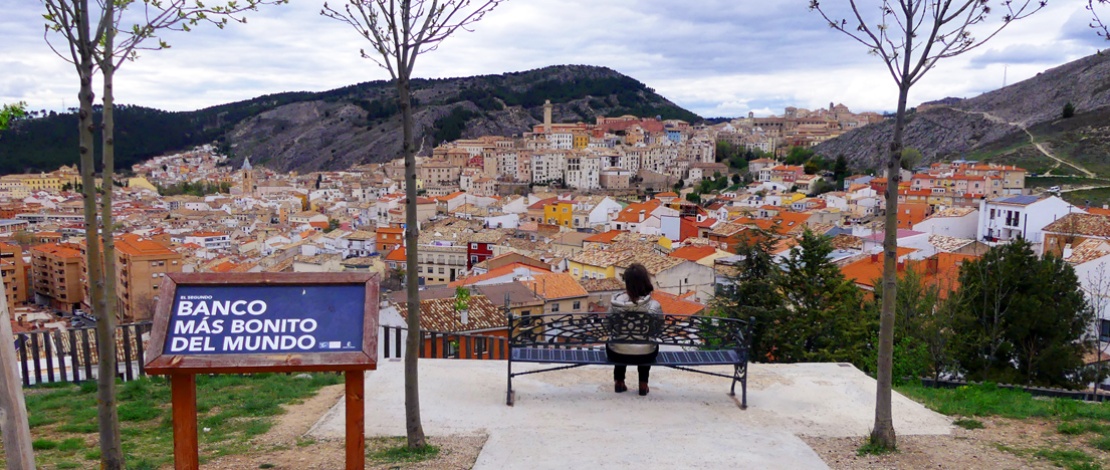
[547, 116]
[249, 185]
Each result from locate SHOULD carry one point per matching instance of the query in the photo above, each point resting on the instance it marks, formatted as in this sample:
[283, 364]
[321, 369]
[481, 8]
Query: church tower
[249, 185]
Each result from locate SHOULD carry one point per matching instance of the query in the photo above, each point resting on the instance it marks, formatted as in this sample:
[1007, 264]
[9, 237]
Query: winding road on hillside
[1039, 146]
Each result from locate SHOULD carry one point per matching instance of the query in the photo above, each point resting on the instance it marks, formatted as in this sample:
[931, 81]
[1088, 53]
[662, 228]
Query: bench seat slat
[665, 358]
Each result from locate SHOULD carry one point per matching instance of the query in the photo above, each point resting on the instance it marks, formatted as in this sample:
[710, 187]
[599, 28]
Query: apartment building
[15, 277]
[141, 263]
[56, 275]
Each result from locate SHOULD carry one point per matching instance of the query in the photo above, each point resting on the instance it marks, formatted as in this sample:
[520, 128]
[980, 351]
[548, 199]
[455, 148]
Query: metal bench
[579, 340]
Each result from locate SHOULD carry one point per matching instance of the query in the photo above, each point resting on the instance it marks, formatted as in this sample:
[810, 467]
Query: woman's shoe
[643, 388]
[618, 386]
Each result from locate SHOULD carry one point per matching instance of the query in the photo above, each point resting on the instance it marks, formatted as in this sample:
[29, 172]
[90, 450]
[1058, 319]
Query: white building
[1004, 219]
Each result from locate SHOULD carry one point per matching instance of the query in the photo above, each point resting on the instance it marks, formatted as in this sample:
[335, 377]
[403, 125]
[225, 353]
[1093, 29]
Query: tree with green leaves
[753, 293]
[1023, 319]
[910, 37]
[823, 320]
[102, 36]
[11, 112]
[399, 31]
[840, 170]
[923, 332]
[798, 155]
[911, 157]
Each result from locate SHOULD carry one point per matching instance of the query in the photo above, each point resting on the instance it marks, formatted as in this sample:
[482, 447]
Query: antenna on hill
[1005, 68]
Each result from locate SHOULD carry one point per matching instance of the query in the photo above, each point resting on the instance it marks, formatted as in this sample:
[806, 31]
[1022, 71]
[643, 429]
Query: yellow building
[595, 264]
[40, 182]
[141, 182]
[581, 140]
[559, 213]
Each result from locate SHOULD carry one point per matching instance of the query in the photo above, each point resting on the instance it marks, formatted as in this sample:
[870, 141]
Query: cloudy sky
[714, 57]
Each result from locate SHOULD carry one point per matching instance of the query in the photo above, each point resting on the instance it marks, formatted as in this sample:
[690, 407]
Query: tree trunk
[883, 432]
[413, 427]
[106, 321]
[14, 427]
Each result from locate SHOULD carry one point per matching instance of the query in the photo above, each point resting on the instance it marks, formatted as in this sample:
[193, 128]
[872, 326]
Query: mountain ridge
[360, 123]
[993, 126]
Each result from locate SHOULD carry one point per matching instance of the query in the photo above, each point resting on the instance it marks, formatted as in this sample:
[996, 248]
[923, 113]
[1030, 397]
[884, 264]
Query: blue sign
[274, 319]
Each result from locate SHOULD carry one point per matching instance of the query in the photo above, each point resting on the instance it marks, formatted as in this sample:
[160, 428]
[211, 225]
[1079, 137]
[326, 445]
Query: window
[1104, 330]
[441, 270]
[473, 246]
[555, 307]
[577, 304]
[575, 271]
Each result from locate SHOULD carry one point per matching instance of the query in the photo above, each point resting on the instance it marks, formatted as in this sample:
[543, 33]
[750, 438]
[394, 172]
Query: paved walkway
[572, 419]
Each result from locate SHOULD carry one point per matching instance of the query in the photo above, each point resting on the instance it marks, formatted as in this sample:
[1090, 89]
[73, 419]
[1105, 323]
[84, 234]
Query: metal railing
[51, 356]
[70, 356]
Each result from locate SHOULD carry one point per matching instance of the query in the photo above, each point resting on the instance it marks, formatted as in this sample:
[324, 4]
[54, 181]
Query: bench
[579, 340]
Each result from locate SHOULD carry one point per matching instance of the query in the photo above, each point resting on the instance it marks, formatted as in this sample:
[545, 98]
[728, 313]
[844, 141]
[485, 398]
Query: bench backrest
[595, 329]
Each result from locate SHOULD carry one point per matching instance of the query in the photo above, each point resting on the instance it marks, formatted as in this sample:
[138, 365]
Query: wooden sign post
[255, 323]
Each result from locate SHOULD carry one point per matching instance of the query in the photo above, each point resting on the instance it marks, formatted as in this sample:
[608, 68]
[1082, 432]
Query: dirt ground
[1001, 444]
[285, 448]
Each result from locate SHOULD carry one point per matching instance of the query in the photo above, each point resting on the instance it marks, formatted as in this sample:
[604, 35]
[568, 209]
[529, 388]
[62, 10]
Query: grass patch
[1049, 181]
[967, 423]
[72, 444]
[1096, 197]
[870, 447]
[396, 450]
[1068, 458]
[43, 444]
[235, 408]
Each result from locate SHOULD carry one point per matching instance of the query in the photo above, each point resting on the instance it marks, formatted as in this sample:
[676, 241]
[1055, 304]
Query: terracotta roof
[555, 286]
[1090, 250]
[397, 254]
[59, 250]
[440, 315]
[632, 212]
[602, 285]
[135, 245]
[603, 237]
[1089, 225]
[693, 253]
[494, 273]
[673, 305]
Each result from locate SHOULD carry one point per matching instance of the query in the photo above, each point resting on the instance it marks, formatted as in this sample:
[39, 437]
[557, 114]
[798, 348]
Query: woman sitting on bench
[636, 299]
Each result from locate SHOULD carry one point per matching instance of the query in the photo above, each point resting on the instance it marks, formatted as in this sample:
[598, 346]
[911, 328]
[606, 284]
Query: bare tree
[911, 36]
[92, 39]
[399, 31]
[1102, 28]
[1097, 289]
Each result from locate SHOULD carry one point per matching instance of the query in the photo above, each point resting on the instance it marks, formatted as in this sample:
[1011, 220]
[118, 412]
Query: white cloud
[718, 58]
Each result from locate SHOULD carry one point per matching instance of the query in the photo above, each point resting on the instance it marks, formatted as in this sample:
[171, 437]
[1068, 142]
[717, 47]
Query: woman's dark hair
[637, 282]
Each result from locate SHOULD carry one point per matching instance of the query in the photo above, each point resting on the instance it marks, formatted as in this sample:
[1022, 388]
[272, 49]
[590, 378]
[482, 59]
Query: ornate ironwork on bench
[579, 340]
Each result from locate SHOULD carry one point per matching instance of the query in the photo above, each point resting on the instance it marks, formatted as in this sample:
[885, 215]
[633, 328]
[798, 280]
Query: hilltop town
[547, 220]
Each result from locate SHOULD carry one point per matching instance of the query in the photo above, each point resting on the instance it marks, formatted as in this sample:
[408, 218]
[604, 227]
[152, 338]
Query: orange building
[56, 275]
[941, 270]
[389, 239]
[14, 275]
[141, 263]
[910, 214]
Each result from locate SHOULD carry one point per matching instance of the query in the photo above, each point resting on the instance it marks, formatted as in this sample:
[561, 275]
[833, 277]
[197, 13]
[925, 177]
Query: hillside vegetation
[355, 124]
[1004, 125]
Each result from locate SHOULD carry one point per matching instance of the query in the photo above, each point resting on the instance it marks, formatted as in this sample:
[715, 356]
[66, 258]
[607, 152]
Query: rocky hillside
[351, 125]
[992, 126]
